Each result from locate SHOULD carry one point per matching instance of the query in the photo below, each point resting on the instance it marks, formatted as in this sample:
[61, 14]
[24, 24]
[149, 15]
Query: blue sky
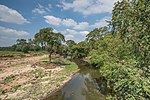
[73, 18]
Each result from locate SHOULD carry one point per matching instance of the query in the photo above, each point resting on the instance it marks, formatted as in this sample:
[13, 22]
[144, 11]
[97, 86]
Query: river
[86, 84]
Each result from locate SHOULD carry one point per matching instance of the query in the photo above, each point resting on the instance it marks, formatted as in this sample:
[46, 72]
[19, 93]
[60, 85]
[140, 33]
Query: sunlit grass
[10, 53]
[70, 66]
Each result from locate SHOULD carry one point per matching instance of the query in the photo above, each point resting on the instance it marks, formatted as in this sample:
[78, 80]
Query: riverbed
[86, 84]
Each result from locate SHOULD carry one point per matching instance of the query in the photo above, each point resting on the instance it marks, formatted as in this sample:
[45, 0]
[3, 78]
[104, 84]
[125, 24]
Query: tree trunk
[50, 54]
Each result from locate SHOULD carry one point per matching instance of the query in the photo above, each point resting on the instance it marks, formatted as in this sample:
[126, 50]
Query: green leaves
[49, 40]
[123, 55]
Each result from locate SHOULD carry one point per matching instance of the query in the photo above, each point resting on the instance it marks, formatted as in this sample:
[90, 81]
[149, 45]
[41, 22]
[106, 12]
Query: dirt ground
[31, 78]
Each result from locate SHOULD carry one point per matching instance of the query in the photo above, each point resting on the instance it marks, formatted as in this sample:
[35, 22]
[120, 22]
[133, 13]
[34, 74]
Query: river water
[86, 84]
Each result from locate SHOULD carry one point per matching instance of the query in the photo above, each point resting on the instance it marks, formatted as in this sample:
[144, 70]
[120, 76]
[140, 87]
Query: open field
[33, 77]
[20, 54]
[11, 53]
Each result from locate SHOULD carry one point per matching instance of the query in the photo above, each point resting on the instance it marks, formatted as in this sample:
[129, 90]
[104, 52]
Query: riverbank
[33, 77]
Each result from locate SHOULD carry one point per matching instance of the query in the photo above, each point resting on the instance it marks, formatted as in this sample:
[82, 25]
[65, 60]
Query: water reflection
[85, 85]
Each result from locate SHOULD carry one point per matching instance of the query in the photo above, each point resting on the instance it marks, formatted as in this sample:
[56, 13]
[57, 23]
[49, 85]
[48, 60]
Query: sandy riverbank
[33, 77]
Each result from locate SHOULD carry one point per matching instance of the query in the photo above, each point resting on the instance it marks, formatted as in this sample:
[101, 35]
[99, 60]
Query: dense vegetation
[123, 54]
[121, 50]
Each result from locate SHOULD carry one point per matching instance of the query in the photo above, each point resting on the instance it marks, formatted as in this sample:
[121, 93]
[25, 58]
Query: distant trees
[77, 50]
[25, 46]
[80, 50]
[22, 45]
[70, 44]
[10, 48]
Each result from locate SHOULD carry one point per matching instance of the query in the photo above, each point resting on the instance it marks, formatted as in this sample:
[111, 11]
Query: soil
[31, 77]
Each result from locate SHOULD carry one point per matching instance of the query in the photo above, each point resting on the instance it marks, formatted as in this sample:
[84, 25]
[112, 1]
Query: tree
[70, 44]
[22, 45]
[49, 39]
[95, 35]
[130, 19]
[81, 50]
[58, 42]
[64, 50]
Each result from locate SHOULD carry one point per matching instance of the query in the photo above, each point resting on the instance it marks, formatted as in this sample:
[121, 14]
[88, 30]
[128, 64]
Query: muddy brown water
[86, 84]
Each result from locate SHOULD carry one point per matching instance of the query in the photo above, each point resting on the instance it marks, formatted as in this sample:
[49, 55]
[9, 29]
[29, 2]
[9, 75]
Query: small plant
[15, 88]
[8, 79]
[2, 92]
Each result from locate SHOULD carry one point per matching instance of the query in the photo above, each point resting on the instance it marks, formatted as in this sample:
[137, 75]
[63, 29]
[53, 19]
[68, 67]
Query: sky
[73, 18]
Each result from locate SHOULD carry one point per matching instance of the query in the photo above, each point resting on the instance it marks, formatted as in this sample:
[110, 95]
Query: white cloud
[70, 31]
[58, 21]
[9, 36]
[52, 20]
[88, 7]
[12, 32]
[84, 33]
[69, 22]
[82, 26]
[55, 31]
[6, 41]
[41, 9]
[69, 37]
[74, 32]
[76, 26]
[11, 16]
[101, 22]
[66, 22]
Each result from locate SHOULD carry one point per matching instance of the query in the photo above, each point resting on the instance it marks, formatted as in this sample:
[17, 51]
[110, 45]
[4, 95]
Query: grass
[70, 66]
[2, 92]
[15, 88]
[44, 59]
[38, 52]
[11, 53]
[16, 53]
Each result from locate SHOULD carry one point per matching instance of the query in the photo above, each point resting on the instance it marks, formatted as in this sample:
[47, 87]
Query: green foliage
[123, 54]
[49, 40]
[132, 23]
[15, 88]
[94, 36]
[79, 50]
[64, 50]
[25, 46]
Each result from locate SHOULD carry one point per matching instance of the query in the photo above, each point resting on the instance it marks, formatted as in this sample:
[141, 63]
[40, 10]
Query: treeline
[23, 45]
[52, 42]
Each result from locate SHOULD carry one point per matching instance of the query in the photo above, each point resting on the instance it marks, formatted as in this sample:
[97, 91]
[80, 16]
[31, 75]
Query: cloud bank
[11, 16]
